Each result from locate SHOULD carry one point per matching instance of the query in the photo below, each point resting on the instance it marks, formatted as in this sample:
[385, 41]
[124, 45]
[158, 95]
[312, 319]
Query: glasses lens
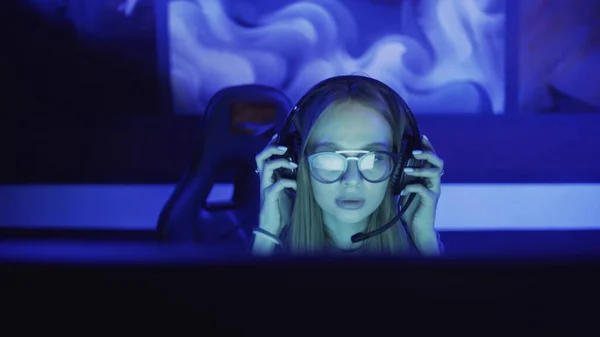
[327, 166]
[376, 166]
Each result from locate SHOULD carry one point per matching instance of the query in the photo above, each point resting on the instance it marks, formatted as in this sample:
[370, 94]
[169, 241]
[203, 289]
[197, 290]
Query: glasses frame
[359, 155]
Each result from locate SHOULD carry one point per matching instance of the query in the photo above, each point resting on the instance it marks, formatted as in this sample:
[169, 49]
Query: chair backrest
[237, 124]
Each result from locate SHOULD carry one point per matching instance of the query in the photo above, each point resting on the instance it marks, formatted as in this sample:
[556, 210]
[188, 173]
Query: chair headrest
[239, 120]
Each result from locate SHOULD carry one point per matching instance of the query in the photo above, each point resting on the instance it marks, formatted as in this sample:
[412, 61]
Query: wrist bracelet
[267, 235]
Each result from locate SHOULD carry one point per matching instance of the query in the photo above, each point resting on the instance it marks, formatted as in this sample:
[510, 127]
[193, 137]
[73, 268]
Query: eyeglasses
[329, 167]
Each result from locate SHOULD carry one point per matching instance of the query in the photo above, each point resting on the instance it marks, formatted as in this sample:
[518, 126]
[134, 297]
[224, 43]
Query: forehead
[351, 125]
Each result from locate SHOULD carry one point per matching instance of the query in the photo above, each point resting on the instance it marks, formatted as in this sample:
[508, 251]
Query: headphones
[290, 137]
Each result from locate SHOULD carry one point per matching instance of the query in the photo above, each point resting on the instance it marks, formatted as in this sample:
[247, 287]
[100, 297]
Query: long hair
[307, 234]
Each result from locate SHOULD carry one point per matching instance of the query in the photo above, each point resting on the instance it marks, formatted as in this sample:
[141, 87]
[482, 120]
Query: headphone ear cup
[293, 143]
[296, 145]
[293, 152]
[397, 177]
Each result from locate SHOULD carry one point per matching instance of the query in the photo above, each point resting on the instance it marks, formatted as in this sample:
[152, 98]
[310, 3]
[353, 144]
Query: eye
[328, 161]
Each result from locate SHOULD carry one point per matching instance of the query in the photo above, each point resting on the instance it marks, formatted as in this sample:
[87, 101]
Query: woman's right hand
[275, 204]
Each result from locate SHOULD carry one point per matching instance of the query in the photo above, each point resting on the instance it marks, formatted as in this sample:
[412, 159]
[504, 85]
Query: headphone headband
[393, 99]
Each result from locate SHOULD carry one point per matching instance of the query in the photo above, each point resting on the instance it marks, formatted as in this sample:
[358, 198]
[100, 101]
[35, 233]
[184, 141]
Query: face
[353, 129]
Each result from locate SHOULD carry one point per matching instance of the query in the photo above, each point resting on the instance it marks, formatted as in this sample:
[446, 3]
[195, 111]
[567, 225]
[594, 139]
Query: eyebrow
[370, 146]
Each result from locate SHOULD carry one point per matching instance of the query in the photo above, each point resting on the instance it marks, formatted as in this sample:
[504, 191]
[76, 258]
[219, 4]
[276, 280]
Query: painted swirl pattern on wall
[442, 56]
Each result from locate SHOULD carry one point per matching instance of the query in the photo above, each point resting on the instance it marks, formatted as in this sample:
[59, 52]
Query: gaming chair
[237, 123]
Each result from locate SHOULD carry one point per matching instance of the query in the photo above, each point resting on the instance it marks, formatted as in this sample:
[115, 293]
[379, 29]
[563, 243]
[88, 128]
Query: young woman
[347, 156]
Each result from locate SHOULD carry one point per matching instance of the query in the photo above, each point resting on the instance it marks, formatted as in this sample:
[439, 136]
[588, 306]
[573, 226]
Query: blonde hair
[307, 234]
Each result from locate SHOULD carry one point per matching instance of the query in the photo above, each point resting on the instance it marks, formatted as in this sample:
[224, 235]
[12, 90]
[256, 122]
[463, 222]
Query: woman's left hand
[421, 214]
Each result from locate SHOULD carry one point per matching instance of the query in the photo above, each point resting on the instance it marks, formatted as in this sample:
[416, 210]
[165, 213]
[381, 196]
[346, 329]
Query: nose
[352, 176]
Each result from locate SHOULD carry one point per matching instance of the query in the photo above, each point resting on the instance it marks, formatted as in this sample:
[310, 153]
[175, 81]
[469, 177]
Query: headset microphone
[358, 237]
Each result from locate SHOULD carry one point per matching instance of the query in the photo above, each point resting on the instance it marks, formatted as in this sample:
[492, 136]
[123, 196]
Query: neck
[340, 232]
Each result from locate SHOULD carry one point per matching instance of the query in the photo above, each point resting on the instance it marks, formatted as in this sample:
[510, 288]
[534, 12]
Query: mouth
[350, 203]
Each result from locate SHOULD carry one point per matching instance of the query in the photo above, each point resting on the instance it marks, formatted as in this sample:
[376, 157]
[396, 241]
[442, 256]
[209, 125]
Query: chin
[351, 216]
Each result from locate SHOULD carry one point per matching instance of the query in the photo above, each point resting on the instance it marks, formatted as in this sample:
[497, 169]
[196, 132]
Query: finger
[272, 140]
[430, 173]
[272, 192]
[432, 177]
[269, 167]
[427, 195]
[427, 143]
[267, 153]
[430, 157]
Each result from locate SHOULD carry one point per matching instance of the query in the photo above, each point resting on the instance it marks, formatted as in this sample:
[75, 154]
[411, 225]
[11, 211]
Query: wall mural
[444, 57]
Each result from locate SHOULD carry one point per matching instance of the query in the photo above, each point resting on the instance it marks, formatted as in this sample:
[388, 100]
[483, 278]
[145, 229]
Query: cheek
[376, 192]
[324, 194]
